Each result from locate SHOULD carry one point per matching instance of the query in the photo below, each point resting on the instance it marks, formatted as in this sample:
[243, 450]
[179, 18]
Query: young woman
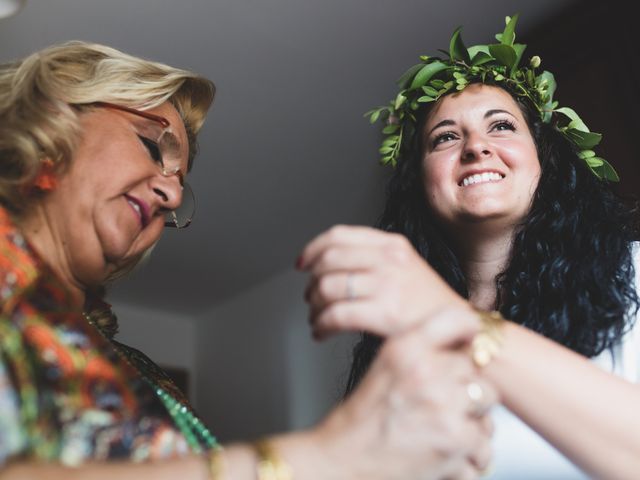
[499, 203]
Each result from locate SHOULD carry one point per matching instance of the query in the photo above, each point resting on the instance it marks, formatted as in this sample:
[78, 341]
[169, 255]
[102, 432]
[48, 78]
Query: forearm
[190, 468]
[591, 416]
[299, 450]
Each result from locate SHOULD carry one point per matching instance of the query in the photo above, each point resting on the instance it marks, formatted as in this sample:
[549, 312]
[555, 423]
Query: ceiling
[285, 152]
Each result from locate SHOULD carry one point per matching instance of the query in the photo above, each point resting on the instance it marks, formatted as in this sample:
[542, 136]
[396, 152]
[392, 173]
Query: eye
[442, 138]
[503, 125]
[153, 149]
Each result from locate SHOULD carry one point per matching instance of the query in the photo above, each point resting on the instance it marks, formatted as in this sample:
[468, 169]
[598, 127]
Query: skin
[480, 130]
[540, 381]
[87, 228]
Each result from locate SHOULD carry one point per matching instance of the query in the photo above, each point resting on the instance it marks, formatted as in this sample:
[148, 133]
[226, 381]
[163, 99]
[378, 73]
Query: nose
[168, 189]
[476, 147]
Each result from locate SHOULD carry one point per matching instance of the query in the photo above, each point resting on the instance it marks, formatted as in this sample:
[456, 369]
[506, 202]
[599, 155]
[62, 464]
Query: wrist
[308, 454]
[487, 343]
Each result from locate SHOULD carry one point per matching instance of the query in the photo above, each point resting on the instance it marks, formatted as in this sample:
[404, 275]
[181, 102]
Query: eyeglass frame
[165, 173]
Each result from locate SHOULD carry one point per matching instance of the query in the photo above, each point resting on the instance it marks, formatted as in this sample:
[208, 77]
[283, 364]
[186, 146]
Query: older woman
[95, 147]
[500, 191]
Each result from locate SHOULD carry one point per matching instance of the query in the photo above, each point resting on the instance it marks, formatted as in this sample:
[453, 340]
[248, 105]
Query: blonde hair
[39, 96]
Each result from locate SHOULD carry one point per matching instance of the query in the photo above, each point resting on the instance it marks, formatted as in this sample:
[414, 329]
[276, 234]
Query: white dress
[521, 454]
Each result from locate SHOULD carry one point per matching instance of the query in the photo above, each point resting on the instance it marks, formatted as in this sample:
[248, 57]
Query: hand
[367, 279]
[414, 415]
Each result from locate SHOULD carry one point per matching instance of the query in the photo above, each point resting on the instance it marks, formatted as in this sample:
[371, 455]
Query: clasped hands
[424, 401]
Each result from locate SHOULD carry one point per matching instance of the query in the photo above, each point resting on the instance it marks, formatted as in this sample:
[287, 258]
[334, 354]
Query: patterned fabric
[67, 393]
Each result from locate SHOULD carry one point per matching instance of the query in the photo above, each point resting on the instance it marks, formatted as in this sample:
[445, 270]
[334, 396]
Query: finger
[336, 287]
[480, 457]
[343, 235]
[341, 258]
[486, 425]
[360, 314]
[481, 397]
[462, 470]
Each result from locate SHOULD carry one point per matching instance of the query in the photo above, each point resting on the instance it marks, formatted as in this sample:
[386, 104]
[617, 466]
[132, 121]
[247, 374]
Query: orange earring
[46, 178]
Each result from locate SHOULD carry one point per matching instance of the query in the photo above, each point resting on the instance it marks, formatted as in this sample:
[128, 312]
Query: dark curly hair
[570, 276]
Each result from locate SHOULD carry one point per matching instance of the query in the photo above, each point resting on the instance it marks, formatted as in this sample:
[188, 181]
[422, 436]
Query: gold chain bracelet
[270, 465]
[216, 464]
[488, 342]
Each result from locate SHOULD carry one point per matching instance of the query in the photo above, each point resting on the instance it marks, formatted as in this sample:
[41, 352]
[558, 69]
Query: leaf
[576, 122]
[594, 162]
[474, 50]
[457, 50]
[384, 150]
[481, 58]
[509, 34]
[374, 114]
[432, 92]
[584, 140]
[608, 172]
[400, 99]
[390, 141]
[547, 79]
[519, 48]
[584, 154]
[404, 79]
[578, 125]
[393, 128]
[425, 99]
[426, 72]
[505, 54]
[569, 113]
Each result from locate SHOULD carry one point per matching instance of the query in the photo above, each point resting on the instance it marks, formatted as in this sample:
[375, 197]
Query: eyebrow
[489, 113]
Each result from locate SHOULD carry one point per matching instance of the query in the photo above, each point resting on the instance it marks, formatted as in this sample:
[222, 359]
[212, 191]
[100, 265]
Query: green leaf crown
[499, 64]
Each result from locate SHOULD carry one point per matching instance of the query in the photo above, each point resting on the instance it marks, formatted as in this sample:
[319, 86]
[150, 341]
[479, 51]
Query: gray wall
[254, 367]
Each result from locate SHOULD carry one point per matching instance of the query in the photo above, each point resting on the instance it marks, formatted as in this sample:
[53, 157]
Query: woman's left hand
[366, 279]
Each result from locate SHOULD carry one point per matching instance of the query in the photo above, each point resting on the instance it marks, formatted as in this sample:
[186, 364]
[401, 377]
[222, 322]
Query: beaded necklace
[198, 436]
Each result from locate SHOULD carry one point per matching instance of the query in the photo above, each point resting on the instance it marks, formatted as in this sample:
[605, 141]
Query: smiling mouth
[485, 177]
[140, 208]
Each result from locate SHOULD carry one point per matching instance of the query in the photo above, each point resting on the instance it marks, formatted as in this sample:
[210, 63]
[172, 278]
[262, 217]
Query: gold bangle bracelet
[487, 343]
[216, 464]
[270, 465]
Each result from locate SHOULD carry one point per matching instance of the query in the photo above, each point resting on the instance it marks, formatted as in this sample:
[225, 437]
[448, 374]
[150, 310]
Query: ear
[46, 178]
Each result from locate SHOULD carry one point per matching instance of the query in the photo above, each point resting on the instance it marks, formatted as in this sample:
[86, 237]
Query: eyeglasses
[164, 151]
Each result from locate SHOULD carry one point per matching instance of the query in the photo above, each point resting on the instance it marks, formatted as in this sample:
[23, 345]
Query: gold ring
[476, 396]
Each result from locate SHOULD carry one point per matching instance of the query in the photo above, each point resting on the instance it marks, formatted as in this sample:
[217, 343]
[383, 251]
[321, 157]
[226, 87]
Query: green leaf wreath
[498, 63]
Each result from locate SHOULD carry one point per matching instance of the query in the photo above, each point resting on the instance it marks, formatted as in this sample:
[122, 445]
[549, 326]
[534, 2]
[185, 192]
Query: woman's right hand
[419, 413]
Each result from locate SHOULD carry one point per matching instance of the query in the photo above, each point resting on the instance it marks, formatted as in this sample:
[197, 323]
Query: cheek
[436, 173]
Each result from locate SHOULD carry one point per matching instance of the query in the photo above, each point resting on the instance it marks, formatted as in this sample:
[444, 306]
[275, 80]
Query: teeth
[135, 206]
[481, 178]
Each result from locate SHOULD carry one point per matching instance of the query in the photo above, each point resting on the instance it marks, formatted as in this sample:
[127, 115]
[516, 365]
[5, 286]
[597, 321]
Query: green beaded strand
[189, 425]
